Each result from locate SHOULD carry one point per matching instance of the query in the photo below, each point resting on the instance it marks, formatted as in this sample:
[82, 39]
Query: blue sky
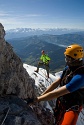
[42, 14]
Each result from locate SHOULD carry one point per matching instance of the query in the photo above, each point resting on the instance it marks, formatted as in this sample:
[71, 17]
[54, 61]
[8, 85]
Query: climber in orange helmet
[69, 94]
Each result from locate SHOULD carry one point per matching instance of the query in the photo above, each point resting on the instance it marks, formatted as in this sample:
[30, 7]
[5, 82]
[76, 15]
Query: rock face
[15, 86]
[2, 31]
[13, 77]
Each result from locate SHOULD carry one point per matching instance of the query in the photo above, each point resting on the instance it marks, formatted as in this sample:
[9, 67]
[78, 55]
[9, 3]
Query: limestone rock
[13, 77]
[2, 31]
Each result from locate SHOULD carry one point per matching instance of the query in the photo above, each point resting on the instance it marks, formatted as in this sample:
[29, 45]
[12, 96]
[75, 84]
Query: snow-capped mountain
[42, 82]
[23, 32]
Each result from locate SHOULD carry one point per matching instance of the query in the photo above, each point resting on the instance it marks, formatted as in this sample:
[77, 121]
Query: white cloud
[12, 20]
[2, 14]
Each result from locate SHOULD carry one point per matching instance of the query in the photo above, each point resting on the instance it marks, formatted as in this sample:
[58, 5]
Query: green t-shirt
[45, 58]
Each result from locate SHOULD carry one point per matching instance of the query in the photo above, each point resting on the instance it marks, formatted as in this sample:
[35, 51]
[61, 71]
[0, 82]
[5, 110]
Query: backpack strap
[79, 70]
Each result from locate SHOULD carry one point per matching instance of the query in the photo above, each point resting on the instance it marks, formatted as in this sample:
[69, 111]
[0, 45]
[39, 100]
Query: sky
[42, 14]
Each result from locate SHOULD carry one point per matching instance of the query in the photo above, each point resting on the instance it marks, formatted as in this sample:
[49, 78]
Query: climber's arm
[53, 86]
[53, 94]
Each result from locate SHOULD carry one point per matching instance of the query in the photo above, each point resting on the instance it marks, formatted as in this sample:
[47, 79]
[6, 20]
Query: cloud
[14, 16]
[11, 19]
[34, 15]
[3, 14]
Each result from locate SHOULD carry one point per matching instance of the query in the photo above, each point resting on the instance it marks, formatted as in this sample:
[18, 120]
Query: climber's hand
[31, 101]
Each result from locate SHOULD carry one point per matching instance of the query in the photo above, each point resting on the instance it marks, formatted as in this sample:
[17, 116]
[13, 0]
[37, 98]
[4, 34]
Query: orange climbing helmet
[75, 51]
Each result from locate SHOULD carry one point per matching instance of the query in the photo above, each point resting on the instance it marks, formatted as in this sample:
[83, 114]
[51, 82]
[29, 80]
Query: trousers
[45, 65]
[70, 117]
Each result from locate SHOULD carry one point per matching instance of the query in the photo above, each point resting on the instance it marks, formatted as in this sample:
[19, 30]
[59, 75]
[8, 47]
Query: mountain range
[24, 32]
[29, 48]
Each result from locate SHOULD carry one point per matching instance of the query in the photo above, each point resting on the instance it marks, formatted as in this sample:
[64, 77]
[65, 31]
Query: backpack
[79, 70]
[82, 95]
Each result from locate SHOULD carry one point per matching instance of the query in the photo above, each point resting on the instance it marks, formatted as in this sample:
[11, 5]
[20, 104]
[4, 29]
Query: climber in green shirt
[44, 60]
